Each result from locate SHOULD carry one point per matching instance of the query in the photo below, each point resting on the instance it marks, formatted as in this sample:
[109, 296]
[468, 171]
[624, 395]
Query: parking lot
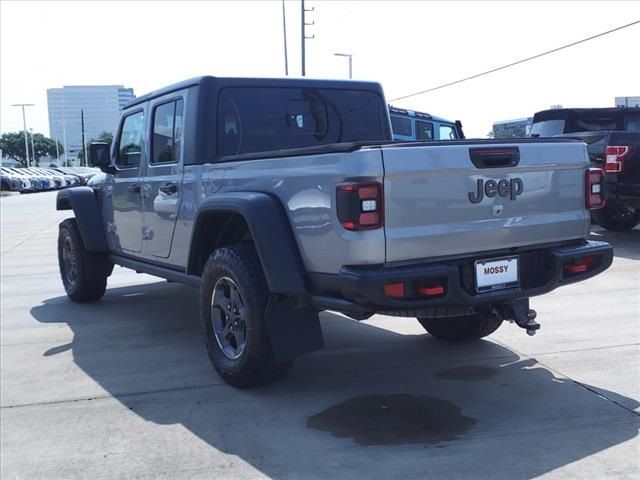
[123, 388]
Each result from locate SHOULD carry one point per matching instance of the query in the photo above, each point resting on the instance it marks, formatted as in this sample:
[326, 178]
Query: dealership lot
[123, 388]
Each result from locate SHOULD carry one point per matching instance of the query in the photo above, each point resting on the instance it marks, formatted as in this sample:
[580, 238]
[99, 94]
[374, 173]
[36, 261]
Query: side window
[167, 132]
[130, 141]
[401, 126]
[424, 130]
[447, 132]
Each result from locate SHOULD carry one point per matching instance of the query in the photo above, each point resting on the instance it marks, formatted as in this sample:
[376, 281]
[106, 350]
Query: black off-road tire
[616, 218]
[460, 329]
[256, 364]
[84, 274]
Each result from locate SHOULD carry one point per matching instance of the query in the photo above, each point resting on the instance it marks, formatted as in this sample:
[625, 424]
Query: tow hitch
[520, 313]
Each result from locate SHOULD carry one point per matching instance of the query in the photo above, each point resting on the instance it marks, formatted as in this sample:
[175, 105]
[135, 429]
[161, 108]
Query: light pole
[350, 62]
[284, 36]
[33, 149]
[24, 124]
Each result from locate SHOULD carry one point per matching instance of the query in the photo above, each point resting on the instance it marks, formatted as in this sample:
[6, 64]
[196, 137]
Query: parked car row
[35, 179]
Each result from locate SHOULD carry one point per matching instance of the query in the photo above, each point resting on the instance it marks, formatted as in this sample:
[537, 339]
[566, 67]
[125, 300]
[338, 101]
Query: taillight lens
[614, 158]
[359, 205]
[594, 188]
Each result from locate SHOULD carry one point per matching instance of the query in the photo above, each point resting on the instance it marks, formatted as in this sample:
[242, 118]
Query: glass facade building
[100, 104]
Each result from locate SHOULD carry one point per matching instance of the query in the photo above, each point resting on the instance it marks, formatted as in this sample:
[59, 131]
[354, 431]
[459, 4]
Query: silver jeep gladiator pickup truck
[279, 198]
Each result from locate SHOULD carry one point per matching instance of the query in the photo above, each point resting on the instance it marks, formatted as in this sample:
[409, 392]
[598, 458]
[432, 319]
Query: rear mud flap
[294, 328]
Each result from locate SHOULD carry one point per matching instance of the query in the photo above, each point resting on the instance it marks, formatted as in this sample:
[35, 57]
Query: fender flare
[271, 233]
[83, 202]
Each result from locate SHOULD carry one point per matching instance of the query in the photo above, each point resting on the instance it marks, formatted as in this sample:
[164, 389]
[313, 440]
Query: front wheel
[460, 329]
[617, 217]
[233, 299]
[84, 274]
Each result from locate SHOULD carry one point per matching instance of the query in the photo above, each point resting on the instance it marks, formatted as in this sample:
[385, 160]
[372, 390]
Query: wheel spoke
[228, 318]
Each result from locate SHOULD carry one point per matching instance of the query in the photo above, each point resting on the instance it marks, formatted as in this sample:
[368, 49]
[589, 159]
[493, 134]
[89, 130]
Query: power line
[516, 63]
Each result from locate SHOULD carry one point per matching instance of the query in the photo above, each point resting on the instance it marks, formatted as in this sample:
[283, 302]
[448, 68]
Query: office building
[627, 101]
[99, 104]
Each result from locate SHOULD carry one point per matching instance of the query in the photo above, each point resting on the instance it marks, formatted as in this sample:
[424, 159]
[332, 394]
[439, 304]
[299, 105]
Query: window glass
[265, 119]
[595, 124]
[401, 126]
[167, 131]
[447, 132]
[130, 143]
[632, 123]
[424, 130]
[547, 128]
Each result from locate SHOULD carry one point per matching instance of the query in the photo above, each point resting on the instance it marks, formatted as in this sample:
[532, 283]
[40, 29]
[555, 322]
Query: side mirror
[100, 156]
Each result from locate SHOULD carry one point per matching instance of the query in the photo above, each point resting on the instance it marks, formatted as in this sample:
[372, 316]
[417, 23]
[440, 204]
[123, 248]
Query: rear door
[163, 177]
[464, 198]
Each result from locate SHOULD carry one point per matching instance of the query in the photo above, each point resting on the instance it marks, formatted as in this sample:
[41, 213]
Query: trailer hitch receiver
[520, 313]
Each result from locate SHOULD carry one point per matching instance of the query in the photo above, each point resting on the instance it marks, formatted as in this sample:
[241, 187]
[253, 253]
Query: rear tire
[617, 217]
[84, 274]
[233, 299]
[460, 329]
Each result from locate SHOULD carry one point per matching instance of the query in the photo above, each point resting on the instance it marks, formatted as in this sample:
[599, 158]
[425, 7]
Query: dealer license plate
[496, 274]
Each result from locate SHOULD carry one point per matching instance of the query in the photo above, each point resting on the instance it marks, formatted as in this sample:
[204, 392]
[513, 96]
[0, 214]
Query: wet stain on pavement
[393, 420]
[472, 373]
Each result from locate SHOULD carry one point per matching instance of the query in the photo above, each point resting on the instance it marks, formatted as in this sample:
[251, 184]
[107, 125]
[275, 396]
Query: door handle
[134, 188]
[169, 188]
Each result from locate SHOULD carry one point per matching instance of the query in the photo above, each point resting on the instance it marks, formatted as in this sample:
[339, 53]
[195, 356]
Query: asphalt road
[123, 388]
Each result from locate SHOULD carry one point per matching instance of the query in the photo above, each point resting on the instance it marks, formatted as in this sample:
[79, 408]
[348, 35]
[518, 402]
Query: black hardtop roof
[563, 113]
[258, 82]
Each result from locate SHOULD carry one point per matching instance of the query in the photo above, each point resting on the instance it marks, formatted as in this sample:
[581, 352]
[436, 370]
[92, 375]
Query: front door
[163, 178]
[127, 189]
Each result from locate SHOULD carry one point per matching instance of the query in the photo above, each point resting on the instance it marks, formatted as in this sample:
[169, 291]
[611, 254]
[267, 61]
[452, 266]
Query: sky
[406, 46]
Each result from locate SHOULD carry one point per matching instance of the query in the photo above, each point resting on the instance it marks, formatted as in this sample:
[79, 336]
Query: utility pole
[84, 144]
[57, 152]
[303, 34]
[284, 36]
[350, 62]
[33, 149]
[24, 124]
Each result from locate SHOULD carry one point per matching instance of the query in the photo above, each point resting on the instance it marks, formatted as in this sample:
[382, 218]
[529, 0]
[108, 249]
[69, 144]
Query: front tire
[233, 299]
[84, 274]
[617, 217]
[461, 329]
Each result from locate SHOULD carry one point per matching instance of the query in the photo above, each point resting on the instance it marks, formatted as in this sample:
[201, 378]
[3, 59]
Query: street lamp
[33, 149]
[350, 62]
[24, 124]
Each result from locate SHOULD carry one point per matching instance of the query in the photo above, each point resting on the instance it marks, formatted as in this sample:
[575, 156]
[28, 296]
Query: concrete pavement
[123, 388]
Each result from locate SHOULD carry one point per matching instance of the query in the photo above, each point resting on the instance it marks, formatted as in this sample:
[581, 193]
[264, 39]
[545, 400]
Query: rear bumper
[628, 193]
[361, 289]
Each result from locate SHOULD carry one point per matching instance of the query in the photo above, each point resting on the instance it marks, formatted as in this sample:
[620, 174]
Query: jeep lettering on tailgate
[505, 188]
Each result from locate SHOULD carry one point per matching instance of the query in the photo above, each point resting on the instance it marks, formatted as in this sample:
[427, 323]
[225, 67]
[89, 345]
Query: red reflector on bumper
[394, 290]
[575, 268]
[431, 291]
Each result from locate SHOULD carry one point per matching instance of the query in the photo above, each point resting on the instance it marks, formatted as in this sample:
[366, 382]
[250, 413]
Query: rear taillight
[359, 205]
[594, 188]
[614, 158]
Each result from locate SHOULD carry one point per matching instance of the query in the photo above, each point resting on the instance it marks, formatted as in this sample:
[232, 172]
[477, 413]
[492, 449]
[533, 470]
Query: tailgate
[467, 197]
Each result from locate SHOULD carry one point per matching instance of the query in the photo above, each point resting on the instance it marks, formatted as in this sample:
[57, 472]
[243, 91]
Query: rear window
[252, 120]
[547, 128]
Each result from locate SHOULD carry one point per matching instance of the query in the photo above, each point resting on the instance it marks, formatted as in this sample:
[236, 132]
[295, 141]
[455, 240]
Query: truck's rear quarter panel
[306, 187]
[428, 213]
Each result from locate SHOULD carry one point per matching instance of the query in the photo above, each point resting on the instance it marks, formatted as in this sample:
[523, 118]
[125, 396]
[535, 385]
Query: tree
[12, 145]
[106, 137]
